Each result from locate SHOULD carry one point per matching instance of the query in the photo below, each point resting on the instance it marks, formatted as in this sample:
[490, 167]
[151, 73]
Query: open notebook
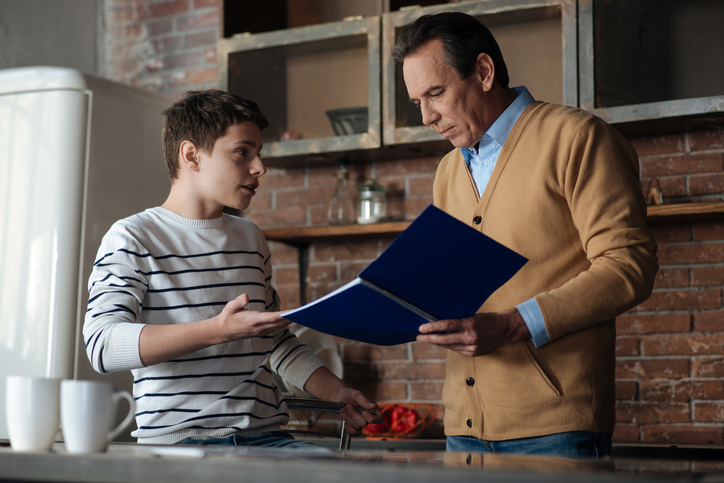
[438, 268]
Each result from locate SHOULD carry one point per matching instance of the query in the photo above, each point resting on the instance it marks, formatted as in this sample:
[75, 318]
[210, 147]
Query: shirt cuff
[533, 317]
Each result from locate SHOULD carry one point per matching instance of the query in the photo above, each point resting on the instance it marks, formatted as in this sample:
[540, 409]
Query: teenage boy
[181, 295]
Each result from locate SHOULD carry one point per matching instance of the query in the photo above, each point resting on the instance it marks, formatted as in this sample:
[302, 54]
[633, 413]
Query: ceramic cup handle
[117, 396]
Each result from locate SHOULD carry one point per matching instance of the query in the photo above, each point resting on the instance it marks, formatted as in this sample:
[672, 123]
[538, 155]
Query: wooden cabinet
[537, 40]
[652, 66]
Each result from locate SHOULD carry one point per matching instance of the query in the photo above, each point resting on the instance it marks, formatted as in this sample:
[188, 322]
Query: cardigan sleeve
[609, 211]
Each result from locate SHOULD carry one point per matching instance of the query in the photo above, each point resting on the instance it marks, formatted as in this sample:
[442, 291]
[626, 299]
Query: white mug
[33, 412]
[88, 410]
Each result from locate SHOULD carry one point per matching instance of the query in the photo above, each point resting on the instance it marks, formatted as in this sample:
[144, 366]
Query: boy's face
[229, 175]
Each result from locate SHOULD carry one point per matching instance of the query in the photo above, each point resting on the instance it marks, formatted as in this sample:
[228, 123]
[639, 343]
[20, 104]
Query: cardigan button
[470, 381]
[477, 220]
[469, 422]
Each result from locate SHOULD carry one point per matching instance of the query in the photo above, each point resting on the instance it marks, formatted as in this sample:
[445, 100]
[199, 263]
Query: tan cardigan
[565, 194]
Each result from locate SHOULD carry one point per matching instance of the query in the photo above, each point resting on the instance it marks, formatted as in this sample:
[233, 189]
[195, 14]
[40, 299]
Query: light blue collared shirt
[480, 161]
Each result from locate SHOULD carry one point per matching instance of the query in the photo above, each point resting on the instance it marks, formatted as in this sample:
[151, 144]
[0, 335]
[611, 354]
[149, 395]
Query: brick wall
[670, 349]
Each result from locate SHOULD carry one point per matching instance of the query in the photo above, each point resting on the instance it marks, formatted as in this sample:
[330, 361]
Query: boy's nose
[258, 168]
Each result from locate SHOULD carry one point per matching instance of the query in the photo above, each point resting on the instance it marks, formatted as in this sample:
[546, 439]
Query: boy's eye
[242, 152]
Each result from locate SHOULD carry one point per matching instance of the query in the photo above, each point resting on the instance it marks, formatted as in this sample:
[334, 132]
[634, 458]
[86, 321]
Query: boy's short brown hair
[202, 117]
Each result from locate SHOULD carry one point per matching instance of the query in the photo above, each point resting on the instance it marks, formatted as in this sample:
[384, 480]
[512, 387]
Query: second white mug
[87, 413]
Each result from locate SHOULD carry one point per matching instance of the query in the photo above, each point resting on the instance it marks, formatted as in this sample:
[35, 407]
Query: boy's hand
[236, 322]
[327, 386]
[356, 419]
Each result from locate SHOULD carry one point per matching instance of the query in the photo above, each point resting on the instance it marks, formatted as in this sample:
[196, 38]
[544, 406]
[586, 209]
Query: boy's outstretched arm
[327, 386]
[161, 343]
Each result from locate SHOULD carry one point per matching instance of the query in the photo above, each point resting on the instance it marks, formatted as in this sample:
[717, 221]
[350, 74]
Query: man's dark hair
[202, 117]
[463, 38]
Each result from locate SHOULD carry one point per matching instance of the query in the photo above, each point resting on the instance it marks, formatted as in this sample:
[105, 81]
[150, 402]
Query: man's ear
[485, 70]
[189, 156]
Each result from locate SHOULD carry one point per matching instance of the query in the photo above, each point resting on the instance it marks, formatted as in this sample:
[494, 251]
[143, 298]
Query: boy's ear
[189, 156]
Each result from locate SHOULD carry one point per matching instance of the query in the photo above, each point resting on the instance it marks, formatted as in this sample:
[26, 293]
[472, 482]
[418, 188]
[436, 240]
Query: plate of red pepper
[401, 420]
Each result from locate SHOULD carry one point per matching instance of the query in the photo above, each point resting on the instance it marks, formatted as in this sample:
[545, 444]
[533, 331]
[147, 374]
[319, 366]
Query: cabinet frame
[296, 152]
[646, 118]
[393, 135]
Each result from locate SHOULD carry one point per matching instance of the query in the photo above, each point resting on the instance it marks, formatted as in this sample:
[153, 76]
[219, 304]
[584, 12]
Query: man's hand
[478, 335]
[325, 385]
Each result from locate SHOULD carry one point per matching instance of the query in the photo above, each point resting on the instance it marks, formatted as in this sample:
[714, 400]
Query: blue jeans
[574, 444]
[276, 439]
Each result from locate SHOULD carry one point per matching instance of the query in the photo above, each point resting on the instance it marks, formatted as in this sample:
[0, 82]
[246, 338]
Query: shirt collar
[501, 127]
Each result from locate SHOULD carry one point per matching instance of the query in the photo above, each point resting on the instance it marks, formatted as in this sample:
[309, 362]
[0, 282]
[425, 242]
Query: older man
[533, 370]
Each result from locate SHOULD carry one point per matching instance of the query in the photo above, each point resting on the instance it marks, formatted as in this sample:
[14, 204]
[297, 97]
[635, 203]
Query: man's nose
[429, 114]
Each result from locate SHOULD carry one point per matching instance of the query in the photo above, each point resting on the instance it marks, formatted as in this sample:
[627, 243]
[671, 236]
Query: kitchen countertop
[127, 462]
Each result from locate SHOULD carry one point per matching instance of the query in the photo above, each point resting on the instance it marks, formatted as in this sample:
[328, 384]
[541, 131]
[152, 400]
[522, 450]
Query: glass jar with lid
[372, 203]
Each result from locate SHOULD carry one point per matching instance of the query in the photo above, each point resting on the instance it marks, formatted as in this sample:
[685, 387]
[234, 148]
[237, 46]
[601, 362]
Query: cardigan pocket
[543, 368]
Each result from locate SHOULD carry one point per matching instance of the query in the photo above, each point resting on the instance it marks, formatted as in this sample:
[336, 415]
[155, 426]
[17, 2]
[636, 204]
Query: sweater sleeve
[608, 210]
[116, 287]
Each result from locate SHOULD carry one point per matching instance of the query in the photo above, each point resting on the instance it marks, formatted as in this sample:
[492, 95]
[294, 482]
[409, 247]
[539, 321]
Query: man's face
[452, 106]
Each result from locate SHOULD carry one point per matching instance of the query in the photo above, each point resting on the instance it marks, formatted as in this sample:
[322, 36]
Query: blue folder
[438, 268]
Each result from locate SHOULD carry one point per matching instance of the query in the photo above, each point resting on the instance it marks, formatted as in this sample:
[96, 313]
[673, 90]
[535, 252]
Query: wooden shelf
[301, 236]
[657, 215]
[686, 213]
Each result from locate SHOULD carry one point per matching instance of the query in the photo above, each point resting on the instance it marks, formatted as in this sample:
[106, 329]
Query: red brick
[207, 77]
[709, 412]
[658, 144]
[625, 433]
[691, 253]
[159, 27]
[281, 178]
[707, 389]
[671, 186]
[199, 4]
[304, 196]
[321, 272]
[700, 299]
[181, 60]
[286, 275]
[425, 391]
[366, 352]
[283, 253]
[163, 9]
[677, 233]
[422, 351]
[703, 140]
[634, 323]
[672, 433]
[198, 20]
[708, 231]
[278, 218]
[655, 166]
[707, 367]
[626, 390]
[683, 344]
[627, 346]
[385, 391]
[420, 186]
[356, 372]
[650, 413]
[348, 250]
[652, 368]
[709, 321]
[706, 184]
[349, 271]
[417, 371]
[672, 278]
[704, 276]
[416, 166]
[166, 44]
[666, 390]
[289, 296]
